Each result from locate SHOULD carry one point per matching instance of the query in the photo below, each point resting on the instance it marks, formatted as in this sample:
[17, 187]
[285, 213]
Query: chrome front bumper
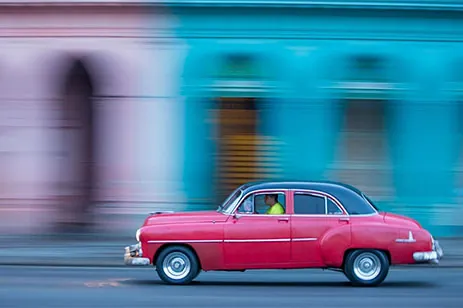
[430, 256]
[134, 256]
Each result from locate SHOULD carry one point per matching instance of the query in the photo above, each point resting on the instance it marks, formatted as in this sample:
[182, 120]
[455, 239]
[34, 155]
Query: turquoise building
[363, 92]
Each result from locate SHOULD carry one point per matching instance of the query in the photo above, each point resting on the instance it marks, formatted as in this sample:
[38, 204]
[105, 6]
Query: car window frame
[316, 193]
[230, 198]
[263, 191]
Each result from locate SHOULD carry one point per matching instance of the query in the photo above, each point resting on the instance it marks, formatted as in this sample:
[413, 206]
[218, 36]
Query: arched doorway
[77, 141]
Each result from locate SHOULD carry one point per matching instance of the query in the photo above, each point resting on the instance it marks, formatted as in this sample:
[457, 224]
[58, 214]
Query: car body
[325, 225]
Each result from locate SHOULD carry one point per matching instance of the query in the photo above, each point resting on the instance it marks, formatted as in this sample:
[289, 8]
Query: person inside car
[275, 207]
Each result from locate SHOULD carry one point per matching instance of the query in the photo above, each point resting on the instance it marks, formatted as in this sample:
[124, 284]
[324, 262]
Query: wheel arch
[185, 245]
[333, 243]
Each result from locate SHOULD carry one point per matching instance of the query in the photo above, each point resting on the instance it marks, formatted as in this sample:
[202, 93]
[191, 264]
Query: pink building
[87, 119]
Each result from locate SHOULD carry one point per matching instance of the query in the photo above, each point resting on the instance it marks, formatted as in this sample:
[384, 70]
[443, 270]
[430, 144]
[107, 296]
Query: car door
[257, 240]
[314, 215]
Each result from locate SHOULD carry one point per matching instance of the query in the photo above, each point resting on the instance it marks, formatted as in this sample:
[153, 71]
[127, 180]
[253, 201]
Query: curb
[45, 264]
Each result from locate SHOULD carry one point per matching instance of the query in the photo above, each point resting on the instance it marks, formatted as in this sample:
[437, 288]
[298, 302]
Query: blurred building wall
[366, 96]
[55, 61]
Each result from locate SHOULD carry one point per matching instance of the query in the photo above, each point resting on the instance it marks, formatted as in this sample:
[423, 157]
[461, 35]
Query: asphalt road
[140, 287]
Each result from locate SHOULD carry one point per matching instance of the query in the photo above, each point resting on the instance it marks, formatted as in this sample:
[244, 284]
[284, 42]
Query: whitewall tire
[366, 267]
[177, 265]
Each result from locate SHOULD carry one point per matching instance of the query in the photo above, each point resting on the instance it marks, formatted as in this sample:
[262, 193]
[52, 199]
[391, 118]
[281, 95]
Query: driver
[275, 207]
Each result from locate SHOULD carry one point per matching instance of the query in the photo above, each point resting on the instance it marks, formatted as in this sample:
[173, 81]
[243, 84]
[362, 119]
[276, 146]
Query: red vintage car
[283, 225]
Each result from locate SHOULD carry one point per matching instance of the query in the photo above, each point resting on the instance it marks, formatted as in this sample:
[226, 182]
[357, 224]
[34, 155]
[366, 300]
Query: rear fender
[334, 243]
[373, 236]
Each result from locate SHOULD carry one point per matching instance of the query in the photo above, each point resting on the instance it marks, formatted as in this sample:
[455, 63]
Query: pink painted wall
[37, 47]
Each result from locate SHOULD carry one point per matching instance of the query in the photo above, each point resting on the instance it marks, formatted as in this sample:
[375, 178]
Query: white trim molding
[301, 239]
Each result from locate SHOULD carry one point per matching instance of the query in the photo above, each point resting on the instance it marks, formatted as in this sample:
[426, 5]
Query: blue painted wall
[305, 51]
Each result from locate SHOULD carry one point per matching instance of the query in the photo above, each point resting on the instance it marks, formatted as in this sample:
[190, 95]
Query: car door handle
[283, 219]
[346, 219]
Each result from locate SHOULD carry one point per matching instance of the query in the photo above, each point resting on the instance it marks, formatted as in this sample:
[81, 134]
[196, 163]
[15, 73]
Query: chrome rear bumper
[430, 256]
[134, 256]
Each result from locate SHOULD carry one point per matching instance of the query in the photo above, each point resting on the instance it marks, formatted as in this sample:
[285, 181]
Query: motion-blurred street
[133, 287]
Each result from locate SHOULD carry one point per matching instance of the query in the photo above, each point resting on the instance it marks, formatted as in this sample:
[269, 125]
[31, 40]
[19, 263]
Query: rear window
[360, 206]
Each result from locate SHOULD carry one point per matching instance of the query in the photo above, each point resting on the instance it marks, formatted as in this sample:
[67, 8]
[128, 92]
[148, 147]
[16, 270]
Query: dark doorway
[238, 143]
[78, 144]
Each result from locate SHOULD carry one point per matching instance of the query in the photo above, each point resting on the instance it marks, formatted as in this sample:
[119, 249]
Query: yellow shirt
[276, 209]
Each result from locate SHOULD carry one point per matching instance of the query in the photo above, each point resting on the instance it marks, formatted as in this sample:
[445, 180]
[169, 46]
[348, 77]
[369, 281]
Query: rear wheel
[177, 265]
[366, 267]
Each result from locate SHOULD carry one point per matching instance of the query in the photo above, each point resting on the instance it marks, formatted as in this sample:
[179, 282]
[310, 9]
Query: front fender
[204, 238]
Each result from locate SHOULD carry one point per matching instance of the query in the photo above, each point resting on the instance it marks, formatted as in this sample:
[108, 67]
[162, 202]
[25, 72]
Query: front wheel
[177, 265]
[366, 267]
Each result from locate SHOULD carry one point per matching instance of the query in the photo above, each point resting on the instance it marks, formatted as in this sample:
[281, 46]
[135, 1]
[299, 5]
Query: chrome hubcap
[176, 265]
[367, 266]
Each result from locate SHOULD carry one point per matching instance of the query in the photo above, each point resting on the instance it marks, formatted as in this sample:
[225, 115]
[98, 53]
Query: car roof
[351, 197]
[326, 186]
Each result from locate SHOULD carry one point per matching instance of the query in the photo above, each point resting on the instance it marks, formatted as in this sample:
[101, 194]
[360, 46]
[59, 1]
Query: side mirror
[236, 216]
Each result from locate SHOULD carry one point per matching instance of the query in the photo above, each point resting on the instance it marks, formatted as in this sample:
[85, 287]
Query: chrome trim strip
[400, 240]
[304, 239]
[326, 205]
[332, 215]
[259, 240]
[184, 241]
[303, 215]
[300, 239]
[264, 215]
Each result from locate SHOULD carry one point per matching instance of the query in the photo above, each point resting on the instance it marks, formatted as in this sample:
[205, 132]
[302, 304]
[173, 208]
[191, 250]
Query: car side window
[260, 205]
[256, 203]
[309, 204]
[247, 206]
[333, 208]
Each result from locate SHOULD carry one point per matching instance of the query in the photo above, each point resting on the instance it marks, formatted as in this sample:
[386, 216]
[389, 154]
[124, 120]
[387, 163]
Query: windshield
[370, 202]
[229, 201]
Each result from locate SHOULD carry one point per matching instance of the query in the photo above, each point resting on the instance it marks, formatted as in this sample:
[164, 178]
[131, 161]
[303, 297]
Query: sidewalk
[80, 250]
[109, 251]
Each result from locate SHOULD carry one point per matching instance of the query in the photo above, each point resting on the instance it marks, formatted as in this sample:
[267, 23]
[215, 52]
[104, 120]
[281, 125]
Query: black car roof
[351, 197]
[299, 185]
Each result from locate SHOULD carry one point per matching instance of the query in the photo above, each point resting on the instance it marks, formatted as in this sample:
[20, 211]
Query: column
[425, 146]
[198, 129]
[198, 154]
[307, 119]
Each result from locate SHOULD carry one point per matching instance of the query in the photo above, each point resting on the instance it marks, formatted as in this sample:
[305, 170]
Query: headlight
[137, 235]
